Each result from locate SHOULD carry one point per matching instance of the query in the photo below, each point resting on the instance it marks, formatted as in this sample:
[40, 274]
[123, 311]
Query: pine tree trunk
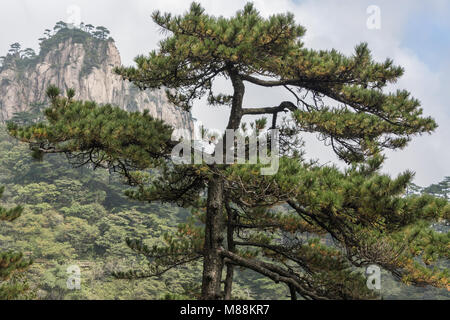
[231, 247]
[213, 261]
[293, 293]
[214, 226]
[229, 282]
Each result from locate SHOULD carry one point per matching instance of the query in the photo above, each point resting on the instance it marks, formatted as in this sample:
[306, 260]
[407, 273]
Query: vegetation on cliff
[88, 35]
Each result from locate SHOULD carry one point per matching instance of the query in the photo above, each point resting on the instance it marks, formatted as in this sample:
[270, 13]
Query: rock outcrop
[76, 59]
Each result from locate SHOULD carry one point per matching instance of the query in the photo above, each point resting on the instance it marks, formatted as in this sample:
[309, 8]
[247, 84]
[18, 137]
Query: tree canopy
[11, 263]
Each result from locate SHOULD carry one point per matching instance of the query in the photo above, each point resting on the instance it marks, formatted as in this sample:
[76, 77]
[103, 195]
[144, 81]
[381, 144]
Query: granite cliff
[75, 58]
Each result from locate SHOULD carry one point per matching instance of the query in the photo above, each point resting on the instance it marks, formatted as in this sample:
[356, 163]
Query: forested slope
[77, 216]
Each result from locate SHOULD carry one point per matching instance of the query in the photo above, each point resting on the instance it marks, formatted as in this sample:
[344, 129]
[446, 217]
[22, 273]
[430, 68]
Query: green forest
[78, 216]
[95, 188]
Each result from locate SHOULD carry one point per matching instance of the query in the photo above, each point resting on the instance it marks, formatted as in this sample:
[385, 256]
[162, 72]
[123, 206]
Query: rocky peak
[74, 58]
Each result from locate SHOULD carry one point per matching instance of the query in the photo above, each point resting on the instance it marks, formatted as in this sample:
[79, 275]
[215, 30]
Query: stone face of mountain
[75, 59]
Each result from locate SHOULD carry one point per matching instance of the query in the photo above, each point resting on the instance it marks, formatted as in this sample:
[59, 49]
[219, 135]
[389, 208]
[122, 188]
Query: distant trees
[19, 58]
[32, 115]
[48, 33]
[59, 25]
[11, 263]
[15, 54]
[101, 33]
[14, 48]
[89, 28]
[440, 189]
[28, 53]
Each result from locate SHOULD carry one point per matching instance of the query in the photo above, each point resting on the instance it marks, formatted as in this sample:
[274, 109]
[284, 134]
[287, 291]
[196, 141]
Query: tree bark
[238, 98]
[231, 247]
[233, 123]
[293, 293]
[214, 226]
[229, 282]
[213, 261]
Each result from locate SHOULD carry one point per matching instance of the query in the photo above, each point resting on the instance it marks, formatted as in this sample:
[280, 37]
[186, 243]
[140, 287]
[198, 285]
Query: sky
[414, 33]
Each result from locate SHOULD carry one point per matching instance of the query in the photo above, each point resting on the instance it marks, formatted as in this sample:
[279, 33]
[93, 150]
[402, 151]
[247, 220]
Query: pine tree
[29, 53]
[59, 26]
[11, 263]
[101, 33]
[276, 225]
[15, 49]
[89, 28]
[441, 189]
